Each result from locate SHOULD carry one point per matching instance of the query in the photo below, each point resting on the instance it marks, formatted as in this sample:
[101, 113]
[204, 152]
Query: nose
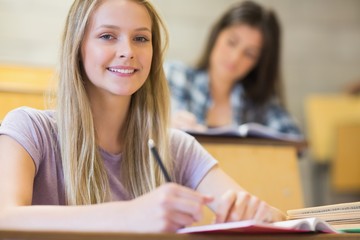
[126, 49]
[237, 56]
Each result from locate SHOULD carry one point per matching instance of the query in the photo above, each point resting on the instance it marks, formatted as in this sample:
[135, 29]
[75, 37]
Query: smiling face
[117, 51]
[235, 53]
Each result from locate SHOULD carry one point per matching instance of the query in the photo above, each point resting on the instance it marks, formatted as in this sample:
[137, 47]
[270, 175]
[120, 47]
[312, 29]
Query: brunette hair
[264, 81]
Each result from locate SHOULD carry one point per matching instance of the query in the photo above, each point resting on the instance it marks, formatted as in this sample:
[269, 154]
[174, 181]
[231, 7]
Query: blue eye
[107, 37]
[141, 39]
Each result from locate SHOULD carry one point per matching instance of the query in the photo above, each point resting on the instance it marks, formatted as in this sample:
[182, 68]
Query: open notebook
[251, 226]
[249, 130]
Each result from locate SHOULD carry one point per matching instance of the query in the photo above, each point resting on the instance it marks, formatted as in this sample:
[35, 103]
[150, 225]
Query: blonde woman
[86, 166]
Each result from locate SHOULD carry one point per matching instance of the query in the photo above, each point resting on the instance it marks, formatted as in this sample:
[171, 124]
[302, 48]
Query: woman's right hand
[185, 120]
[166, 209]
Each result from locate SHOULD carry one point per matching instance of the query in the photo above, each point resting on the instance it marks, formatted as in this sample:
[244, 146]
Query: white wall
[30, 31]
[321, 38]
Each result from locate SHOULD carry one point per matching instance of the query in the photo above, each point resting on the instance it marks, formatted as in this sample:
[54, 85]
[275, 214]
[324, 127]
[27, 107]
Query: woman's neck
[220, 88]
[220, 111]
[109, 118]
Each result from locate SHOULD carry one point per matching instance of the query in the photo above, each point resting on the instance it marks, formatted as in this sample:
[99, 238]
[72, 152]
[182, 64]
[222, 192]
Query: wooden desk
[266, 168]
[297, 146]
[132, 236]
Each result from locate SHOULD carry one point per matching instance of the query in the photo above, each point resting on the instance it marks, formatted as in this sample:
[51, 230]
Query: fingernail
[218, 219]
[208, 199]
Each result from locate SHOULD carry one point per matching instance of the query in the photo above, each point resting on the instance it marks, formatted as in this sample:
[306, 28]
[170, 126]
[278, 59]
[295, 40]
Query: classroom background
[320, 54]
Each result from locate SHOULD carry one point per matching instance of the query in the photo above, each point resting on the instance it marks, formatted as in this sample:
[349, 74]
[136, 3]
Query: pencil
[156, 155]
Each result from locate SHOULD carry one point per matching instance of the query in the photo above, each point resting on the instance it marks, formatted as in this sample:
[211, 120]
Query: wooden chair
[332, 150]
[24, 86]
[345, 171]
[324, 113]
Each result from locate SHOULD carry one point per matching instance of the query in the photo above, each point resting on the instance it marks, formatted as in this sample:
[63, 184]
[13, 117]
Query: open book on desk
[251, 226]
[249, 130]
[341, 216]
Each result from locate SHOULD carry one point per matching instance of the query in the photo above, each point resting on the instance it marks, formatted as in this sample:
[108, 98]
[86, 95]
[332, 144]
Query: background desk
[333, 128]
[24, 86]
[125, 236]
[267, 168]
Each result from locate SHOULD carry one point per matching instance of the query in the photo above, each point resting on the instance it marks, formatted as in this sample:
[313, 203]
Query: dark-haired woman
[237, 78]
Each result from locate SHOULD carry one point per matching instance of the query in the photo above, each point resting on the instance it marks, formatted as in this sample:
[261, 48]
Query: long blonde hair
[85, 176]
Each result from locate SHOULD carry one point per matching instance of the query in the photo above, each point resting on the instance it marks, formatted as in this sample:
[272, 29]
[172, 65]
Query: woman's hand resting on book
[240, 205]
[235, 204]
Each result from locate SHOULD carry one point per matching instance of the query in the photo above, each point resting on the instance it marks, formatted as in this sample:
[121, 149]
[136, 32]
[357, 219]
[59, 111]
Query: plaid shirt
[190, 91]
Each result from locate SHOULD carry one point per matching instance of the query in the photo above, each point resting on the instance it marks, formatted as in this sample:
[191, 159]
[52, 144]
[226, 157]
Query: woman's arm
[233, 203]
[186, 121]
[165, 209]
[17, 174]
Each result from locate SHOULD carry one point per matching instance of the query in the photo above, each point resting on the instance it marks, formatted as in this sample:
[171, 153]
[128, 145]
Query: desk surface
[129, 236]
[299, 146]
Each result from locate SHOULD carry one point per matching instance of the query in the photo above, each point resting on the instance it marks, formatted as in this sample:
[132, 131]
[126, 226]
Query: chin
[123, 92]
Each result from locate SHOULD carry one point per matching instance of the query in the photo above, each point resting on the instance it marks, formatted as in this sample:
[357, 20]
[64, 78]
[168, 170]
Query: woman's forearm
[101, 217]
[165, 209]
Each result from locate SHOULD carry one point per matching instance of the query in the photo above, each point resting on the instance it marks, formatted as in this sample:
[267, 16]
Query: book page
[326, 209]
[307, 224]
[259, 130]
[251, 226]
[300, 224]
[248, 130]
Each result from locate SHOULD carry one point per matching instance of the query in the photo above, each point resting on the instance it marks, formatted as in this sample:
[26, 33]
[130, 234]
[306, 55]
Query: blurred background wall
[321, 39]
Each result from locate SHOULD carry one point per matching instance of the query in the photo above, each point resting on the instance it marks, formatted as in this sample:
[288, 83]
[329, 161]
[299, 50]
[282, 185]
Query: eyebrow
[117, 28]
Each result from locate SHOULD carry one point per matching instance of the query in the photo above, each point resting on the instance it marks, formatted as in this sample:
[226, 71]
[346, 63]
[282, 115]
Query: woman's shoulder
[180, 141]
[27, 116]
[28, 112]
[179, 137]
[182, 76]
[34, 129]
[175, 69]
[176, 65]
